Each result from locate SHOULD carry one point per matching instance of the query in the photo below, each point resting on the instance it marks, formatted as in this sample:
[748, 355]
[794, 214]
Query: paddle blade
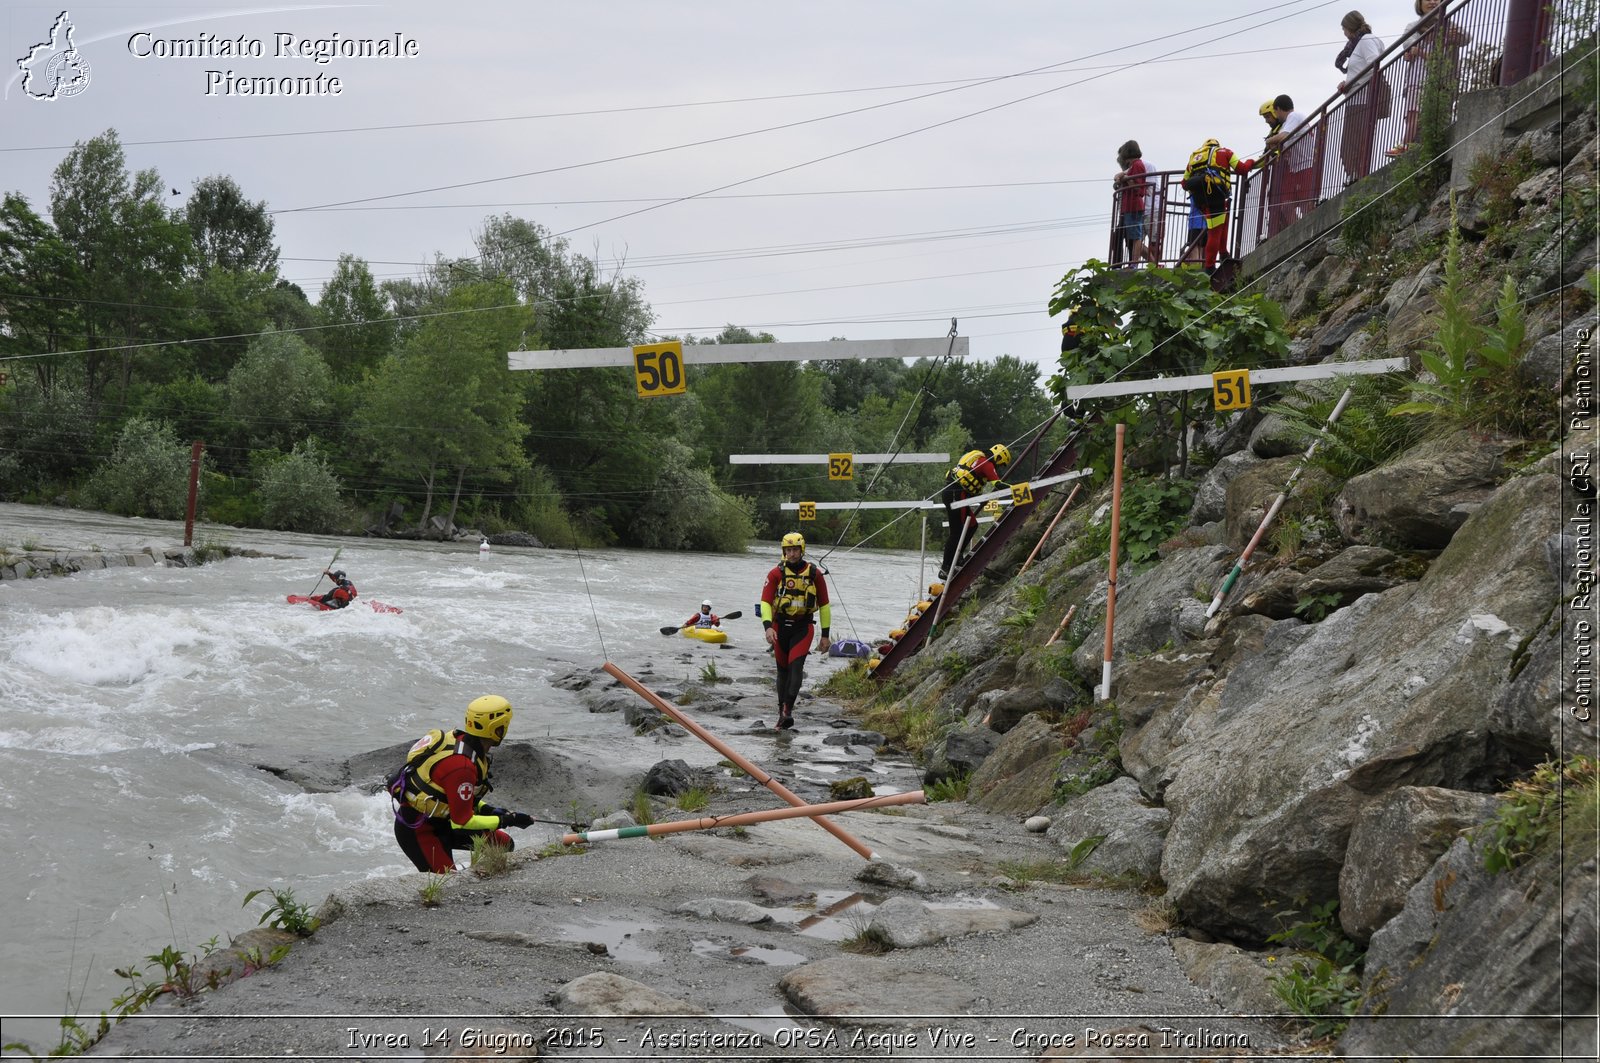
[670, 630]
[736, 614]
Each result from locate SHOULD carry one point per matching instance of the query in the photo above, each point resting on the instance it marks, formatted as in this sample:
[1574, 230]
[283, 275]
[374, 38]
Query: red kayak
[318, 603]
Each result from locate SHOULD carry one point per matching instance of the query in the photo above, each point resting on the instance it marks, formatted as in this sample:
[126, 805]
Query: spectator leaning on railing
[1291, 175]
[1431, 33]
[1366, 95]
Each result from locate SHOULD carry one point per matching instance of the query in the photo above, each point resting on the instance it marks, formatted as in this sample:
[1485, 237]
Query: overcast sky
[497, 90]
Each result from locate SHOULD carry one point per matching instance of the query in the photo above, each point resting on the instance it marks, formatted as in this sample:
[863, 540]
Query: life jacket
[413, 786]
[1203, 177]
[964, 474]
[342, 594]
[705, 619]
[796, 596]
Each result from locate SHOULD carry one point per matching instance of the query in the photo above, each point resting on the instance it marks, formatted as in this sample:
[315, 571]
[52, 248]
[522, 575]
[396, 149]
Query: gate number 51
[658, 369]
[1230, 389]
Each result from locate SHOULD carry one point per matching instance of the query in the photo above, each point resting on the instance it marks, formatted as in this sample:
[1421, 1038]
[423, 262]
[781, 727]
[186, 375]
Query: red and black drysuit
[437, 796]
[793, 593]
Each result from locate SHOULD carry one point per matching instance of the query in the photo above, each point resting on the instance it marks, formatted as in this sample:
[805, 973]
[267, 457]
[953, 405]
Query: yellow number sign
[1230, 389]
[658, 369]
[841, 466]
[1021, 494]
[992, 507]
[808, 511]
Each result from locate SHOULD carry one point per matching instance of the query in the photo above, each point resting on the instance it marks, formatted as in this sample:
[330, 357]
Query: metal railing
[1464, 45]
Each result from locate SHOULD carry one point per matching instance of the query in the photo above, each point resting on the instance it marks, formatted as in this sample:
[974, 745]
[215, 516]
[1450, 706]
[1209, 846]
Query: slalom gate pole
[913, 797]
[922, 557]
[676, 715]
[1111, 577]
[1272, 510]
[950, 577]
[1040, 544]
[1063, 625]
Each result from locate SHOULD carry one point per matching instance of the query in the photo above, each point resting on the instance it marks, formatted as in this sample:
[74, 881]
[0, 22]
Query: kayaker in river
[704, 618]
[343, 592]
[794, 592]
[437, 792]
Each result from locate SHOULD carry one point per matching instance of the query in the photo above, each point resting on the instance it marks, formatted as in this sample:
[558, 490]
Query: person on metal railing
[1430, 33]
[1209, 179]
[1291, 174]
[1134, 191]
[1366, 95]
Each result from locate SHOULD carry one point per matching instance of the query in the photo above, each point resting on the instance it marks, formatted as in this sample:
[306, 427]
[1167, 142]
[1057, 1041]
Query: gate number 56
[658, 369]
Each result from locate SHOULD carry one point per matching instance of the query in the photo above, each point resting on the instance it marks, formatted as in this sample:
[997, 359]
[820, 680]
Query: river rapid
[136, 702]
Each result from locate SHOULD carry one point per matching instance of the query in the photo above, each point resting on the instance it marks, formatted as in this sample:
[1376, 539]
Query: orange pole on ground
[1063, 625]
[1111, 579]
[1040, 544]
[650, 830]
[194, 489]
[674, 713]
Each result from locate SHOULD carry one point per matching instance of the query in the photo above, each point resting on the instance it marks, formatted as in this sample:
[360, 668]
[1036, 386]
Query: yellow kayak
[706, 634]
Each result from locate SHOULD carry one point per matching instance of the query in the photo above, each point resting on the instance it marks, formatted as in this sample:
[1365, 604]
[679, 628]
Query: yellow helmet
[1268, 110]
[1001, 455]
[793, 539]
[488, 717]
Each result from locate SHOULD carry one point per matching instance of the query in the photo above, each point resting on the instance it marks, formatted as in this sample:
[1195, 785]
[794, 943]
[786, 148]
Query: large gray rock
[1474, 960]
[1211, 497]
[604, 993]
[960, 752]
[1017, 777]
[907, 923]
[1549, 360]
[1276, 437]
[1391, 691]
[1150, 614]
[866, 990]
[1238, 980]
[1251, 493]
[1394, 842]
[1132, 830]
[1423, 496]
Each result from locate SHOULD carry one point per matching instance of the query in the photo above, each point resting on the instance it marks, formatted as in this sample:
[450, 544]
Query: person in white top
[1293, 195]
[1434, 43]
[1366, 94]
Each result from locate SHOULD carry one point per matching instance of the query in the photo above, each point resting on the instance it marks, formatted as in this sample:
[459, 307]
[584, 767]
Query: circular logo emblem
[67, 74]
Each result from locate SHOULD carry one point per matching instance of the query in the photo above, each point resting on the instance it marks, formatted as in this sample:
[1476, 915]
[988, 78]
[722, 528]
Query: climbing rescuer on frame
[437, 792]
[794, 591]
[971, 476]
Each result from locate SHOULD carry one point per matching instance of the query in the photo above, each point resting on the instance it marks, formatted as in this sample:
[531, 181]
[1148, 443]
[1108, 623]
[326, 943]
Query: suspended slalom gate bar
[676, 715]
[1325, 370]
[912, 797]
[1277, 504]
[822, 459]
[1005, 492]
[730, 353]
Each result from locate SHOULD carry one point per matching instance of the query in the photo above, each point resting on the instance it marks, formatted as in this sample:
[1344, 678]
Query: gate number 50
[658, 369]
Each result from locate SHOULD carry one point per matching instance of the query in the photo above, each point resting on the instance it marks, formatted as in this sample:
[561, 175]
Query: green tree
[1157, 322]
[446, 401]
[40, 279]
[48, 433]
[131, 256]
[229, 231]
[278, 392]
[147, 474]
[299, 492]
[365, 328]
[684, 509]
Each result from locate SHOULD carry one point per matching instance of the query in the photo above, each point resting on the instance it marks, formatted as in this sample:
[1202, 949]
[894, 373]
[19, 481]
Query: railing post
[1521, 41]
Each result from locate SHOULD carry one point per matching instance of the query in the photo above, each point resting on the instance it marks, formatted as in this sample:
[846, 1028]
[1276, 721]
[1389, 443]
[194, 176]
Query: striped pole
[1063, 625]
[913, 797]
[674, 713]
[1272, 510]
[1111, 577]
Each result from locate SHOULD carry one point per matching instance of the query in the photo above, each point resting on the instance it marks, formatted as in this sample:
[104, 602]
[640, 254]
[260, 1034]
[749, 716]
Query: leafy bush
[1556, 802]
[147, 474]
[1323, 983]
[278, 389]
[951, 789]
[1153, 508]
[1365, 435]
[284, 912]
[686, 510]
[299, 492]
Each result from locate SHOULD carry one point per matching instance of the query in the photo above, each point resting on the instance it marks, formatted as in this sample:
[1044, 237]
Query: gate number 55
[658, 369]
[1230, 389]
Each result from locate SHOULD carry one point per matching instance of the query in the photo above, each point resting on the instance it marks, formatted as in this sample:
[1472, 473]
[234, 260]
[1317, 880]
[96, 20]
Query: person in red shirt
[971, 475]
[704, 618]
[1209, 178]
[1134, 192]
[794, 591]
[438, 791]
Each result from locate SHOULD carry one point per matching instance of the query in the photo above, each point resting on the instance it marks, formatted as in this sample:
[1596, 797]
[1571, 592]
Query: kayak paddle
[675, 628]
[330, 564]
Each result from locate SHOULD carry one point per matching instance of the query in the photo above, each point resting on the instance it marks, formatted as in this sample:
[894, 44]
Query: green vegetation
[1031, 601]
[1559, 804]
[431, 894]
[694, 799]
[489, 858]
[851, 683]
[1365, 435]
[644, 813]
[284, 913]
[323, 415]
[1323, 981]
[709, 673]
[952, 789]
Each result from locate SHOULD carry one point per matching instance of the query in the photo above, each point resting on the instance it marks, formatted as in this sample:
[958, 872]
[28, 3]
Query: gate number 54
[1230, 389]
[658, 369]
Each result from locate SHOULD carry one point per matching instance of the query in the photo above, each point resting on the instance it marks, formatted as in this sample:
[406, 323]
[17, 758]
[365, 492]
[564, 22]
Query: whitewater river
[134, 702]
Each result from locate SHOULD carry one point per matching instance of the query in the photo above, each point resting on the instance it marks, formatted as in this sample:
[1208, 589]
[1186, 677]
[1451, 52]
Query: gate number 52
[1230, 389]
[658, 369]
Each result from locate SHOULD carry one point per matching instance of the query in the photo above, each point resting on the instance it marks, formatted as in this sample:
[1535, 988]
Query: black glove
[515, 819]
[493, 810]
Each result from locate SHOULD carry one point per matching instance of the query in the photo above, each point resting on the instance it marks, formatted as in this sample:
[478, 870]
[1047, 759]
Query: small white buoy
[1036, 824]
[483, 547]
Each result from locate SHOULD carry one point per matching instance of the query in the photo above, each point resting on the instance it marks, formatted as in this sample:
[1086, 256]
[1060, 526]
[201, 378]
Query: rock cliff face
[1278, 757]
